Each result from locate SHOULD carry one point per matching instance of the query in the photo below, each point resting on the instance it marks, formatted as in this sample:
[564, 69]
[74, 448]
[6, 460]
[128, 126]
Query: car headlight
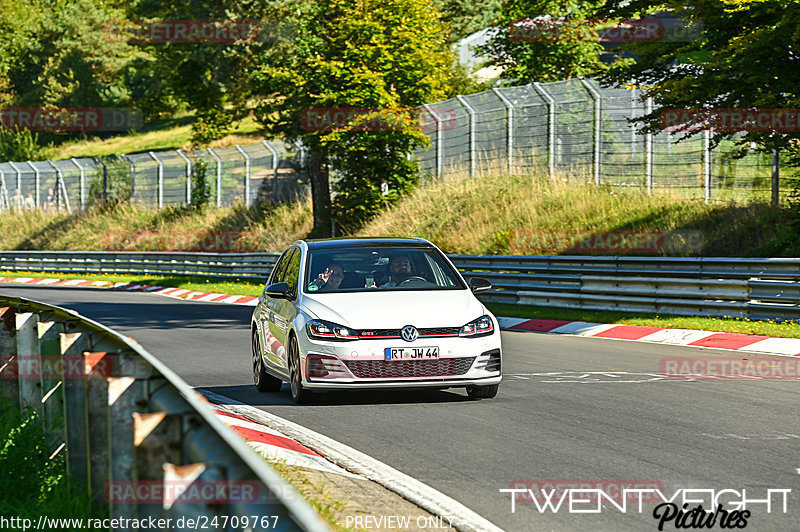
[325, 330]
[483, 326]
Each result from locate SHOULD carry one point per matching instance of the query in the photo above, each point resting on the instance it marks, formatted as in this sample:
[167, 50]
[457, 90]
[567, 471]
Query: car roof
[337, 243]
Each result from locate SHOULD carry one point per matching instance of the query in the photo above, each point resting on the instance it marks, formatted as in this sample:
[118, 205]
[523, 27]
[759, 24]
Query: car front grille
[382, 369]
[382, 334]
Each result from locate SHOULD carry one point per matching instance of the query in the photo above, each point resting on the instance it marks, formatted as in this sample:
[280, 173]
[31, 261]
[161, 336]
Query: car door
[285, 309]
[269, 325]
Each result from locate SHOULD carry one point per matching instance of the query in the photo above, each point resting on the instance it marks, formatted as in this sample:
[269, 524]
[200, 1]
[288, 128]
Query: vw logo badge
[409, 333]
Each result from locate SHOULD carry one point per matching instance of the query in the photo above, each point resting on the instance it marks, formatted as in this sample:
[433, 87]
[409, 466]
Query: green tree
[368, 54]
[530, 47]
[465, 17]
[740, 54]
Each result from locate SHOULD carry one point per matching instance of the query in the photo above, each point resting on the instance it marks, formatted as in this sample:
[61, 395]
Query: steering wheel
[414, 278]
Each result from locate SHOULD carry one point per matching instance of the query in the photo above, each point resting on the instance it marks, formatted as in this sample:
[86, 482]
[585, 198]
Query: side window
[280, 268]
[292, 275]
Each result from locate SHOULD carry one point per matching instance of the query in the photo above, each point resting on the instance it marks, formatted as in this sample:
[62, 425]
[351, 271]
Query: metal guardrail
[708, 286]
[133, 432]
[241, 265]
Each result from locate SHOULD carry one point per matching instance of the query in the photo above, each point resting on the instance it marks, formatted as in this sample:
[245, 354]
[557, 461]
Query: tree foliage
[373, 55]
[746, 55]
[525, 58]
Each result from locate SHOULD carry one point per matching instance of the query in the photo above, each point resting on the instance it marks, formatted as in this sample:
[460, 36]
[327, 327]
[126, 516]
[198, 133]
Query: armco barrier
[136, 437]
[746, 288]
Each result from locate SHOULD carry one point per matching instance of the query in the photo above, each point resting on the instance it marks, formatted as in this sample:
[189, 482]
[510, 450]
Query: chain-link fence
[575, 129]
[266, 172]
[572, 129]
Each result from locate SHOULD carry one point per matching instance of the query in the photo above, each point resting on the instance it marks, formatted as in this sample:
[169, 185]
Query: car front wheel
[299, 394]
[482, 392]
[264, 381]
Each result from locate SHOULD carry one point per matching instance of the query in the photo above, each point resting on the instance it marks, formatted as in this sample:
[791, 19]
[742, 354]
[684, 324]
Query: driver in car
[399, 271]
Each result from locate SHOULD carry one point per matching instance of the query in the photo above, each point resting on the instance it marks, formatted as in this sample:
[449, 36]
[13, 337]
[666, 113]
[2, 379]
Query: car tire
[482, 392]
[263, 381]
[300, 395]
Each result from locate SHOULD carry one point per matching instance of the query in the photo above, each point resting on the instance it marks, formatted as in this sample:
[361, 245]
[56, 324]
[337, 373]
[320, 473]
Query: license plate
[408, 353]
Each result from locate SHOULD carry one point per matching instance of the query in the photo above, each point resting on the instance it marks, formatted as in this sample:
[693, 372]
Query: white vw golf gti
[373, 313]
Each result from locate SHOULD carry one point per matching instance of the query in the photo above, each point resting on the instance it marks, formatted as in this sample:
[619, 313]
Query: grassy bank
[489, 215]
[33, 482]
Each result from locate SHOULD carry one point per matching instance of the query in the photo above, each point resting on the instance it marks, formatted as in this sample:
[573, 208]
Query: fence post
[439, 140]
[472, 126]
[509, 127]
[19, 176]
[36, 181]
[160, 179]
[633, 127]
[597, 138]
[219, 176]
[551, 128]
[133, 173]
[82, 184]
[246, 175]
[105, 177]
[776, 168]
[648, 149]
[188, 176]
[60, 187]
[707, 164]
[4, 205]
[274, 170]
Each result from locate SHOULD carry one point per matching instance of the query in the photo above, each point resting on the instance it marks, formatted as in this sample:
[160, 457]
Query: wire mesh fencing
[265, 172]
[577, 130]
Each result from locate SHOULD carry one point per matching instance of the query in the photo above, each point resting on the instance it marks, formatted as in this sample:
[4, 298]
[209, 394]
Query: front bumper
[362, 363]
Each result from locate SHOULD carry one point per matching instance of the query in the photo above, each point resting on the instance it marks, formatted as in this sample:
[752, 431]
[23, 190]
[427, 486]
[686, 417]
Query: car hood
[392, 310]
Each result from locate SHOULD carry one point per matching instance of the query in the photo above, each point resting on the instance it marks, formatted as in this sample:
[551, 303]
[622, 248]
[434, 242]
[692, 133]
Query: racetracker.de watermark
[619, 242]
[730, 120]
[682, 368]
[71, 119]
[562, 29]
[171, 492]
[366, 119]
[182, 31]
[68, 367]
[205, 241]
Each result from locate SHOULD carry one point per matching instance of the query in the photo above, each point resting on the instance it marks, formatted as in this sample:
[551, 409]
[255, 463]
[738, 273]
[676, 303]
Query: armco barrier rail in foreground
[747, 288]
[135, 435]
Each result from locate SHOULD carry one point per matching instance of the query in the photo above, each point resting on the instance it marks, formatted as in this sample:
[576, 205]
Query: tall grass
[34, 483]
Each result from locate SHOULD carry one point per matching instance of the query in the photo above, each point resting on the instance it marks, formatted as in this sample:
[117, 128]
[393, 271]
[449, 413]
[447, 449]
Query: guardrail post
[648, 150]
[597, 131]
[274, 170]
[439, 140]
[76, 417]
[82, 184]
[776, 169]
[49, 334]
[246, 174]
[509, 128]
[98, 366]
[188, 176]
[29, 362]
[472, 126]
[160, 179]
[126, 396]
[36, 181]
[156, 440]
[9, 366]
[551, 128]
[219, 176]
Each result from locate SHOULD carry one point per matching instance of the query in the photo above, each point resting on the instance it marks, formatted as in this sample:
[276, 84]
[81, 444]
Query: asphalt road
[569, 409]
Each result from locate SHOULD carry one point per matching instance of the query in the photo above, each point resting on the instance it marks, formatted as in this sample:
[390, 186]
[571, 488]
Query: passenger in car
[330, 279]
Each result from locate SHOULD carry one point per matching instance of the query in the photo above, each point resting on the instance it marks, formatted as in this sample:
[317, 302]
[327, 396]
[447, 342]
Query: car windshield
[384, 268]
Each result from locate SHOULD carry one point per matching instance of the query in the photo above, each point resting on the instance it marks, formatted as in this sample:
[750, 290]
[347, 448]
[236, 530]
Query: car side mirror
[479, 284]
[277, 290]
